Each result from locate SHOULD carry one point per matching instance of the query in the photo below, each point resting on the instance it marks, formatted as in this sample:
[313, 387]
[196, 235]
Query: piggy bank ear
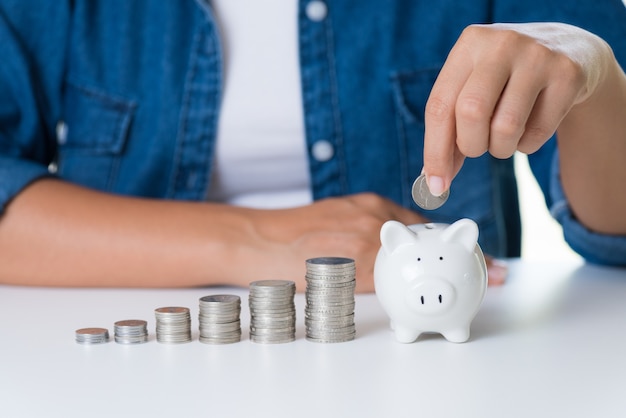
[393, 234]
[464, 232]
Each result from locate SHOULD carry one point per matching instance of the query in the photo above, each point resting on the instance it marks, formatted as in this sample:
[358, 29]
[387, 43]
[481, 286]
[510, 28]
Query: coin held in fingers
[424, 198]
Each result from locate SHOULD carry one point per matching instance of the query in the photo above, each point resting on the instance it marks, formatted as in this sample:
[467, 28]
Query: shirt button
[61, 131]
[316, 10]
[322, 150]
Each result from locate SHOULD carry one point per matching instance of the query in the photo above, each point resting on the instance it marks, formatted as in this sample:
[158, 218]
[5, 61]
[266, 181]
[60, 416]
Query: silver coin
[273, 285]
[219, 321]
[130, 326]
[229, 326]
[131, 331]
[272, 311]
[171, 311]
[88, 336]
[131, 340]
[329, 262]
[270, 300]
[281, 340]
[173, 325]
[221, 334]
[329, 296]
[326, 283]
[329, 292]
[422, 196]
[331, 340]
[220, 340]
[227, 299]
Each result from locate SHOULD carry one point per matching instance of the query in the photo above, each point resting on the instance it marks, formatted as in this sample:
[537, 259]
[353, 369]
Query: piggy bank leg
[457, 335]
[405, 335]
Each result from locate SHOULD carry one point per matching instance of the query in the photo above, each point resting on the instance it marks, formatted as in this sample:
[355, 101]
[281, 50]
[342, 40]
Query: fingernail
[435, 185]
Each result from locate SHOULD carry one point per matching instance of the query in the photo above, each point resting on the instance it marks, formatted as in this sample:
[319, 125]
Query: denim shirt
[138, 84]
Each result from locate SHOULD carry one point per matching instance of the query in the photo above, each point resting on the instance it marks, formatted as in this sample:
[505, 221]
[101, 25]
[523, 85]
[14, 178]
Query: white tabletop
[549, 343]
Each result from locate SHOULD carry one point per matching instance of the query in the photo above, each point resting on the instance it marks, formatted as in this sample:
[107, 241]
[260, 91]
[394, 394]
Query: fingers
[475, 107]
[510, 115]
[500, 90]
[550, 108]
[497, 271]
[441, 154]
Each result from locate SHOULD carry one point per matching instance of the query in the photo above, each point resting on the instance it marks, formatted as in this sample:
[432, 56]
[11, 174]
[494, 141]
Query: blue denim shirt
[138, 85]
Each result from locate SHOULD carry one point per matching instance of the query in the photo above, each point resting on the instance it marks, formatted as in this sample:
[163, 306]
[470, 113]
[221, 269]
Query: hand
[58, 234]
[344, 227]
[497, 271]
[338, 227]
[507, 87]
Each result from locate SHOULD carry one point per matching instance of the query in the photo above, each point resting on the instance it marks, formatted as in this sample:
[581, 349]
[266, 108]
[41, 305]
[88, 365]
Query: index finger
[442, 158]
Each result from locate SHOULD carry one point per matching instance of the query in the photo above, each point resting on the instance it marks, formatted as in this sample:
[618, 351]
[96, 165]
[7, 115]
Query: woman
[131, 158]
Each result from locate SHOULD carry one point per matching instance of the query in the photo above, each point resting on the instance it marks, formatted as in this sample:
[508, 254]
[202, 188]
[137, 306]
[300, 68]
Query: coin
[92, 336]
[173, 325]
[272, 311]
[422, 196]
[219, 319]
[329, 295]
[131, 331]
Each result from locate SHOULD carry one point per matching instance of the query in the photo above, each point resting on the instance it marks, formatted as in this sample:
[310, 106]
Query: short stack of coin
[131, 331]
[219, 319]
[329, 311]
[173, 325]
[89, 336]
[272, 311]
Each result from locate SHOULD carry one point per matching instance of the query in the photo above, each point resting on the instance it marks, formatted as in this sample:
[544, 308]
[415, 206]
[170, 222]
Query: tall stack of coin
[219, 319]
[329, 311]
[173, 325]
[272, 311]
[131, 331]
[87, 336]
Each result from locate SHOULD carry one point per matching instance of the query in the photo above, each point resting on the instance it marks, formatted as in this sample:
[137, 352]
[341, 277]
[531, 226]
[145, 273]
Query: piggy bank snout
[431, 296]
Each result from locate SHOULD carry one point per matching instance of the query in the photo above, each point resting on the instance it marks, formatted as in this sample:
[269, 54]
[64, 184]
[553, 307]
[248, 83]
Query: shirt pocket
[97, 128]
[471, 193]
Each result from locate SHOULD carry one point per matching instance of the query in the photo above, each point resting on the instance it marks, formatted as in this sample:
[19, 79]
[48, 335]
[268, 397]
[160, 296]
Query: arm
[57, 234]
[592, 148]
[510, 87]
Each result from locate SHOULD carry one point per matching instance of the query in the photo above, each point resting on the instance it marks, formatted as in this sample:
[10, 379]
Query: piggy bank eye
[419, 259]
[441, 258]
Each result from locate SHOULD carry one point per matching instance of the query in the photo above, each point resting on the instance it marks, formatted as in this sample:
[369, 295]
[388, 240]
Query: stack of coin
[272, 311]
[173, 325]
[131, 331]
[329, 311]
[92, 336]
[219, 319]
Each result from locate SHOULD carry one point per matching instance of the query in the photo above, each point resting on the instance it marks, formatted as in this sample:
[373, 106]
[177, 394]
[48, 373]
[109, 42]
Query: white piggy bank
[430, 278]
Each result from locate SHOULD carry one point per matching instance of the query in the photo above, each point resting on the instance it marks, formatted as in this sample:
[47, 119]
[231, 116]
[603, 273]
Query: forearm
[592, 147]
[57, 234]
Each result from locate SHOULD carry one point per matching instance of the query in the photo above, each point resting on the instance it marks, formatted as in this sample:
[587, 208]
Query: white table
[550, 343]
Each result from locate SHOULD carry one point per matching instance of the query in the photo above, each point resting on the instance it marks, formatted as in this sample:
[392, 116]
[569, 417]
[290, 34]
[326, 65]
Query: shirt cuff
[592, 246]
[15, 175]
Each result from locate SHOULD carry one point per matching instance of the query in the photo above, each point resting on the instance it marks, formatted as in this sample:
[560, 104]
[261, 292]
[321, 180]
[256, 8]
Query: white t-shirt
[260, 156]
